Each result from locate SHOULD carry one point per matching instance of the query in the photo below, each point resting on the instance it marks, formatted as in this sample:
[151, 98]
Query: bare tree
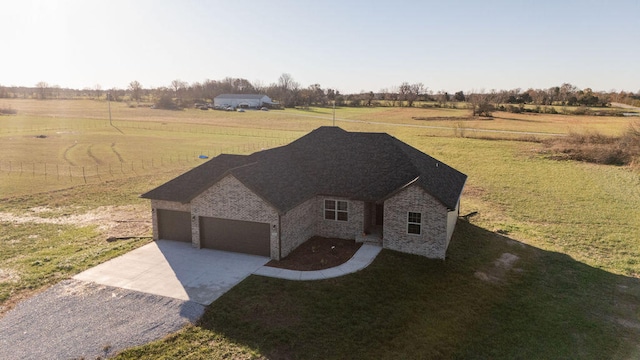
[115, 94]
[480, 104]
[243, 86]
[43, 88]
[288, 90]
[259, 86]
[410, 92]
[286, 82]
[391, 96]
[136, 90]
[566, 92]
[98, 90]
[178, 85]
[417, 89]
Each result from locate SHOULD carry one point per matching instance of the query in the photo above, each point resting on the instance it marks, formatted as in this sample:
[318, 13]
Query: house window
[414, 223]
[336, 210]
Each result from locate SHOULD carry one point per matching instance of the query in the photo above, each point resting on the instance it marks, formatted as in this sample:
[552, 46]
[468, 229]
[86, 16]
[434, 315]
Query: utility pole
[334, 112]
[109, 100]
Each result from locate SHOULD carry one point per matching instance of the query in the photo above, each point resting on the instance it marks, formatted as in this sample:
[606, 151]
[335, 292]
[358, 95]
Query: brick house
[330, 183]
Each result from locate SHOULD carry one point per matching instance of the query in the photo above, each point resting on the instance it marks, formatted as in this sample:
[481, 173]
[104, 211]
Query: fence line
[104, 172]
[156, 126]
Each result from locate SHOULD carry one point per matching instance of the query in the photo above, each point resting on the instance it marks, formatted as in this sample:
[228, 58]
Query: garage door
[174, 225]
[232, 235]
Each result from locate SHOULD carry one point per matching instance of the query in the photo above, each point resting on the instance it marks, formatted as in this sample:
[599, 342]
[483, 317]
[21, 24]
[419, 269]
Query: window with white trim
[414, 223]
[336, 210]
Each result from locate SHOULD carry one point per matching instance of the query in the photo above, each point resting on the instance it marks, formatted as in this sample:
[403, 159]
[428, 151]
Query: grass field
[567, 287]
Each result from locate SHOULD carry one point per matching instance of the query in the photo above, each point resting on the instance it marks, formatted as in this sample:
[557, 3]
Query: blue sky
[347, 45]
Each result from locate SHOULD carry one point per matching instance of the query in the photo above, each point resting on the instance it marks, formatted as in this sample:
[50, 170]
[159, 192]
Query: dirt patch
[318, 253]
[473, 191]
[501, 266]
[434, 118]
[506, 261]
[8, 275]
[112, 221]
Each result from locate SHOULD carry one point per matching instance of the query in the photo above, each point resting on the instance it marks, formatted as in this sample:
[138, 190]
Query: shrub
[551, 110]
[582, 110]
[598, 148]
[514, 109]
[166, 102]
[8, 111]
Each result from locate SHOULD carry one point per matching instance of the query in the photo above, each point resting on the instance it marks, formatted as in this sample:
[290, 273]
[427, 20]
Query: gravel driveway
[77, 319]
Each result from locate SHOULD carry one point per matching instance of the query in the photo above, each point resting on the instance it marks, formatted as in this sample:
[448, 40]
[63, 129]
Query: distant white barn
[255, 101]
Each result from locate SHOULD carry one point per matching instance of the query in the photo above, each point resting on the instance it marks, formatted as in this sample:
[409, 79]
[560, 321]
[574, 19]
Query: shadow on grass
[493, 298]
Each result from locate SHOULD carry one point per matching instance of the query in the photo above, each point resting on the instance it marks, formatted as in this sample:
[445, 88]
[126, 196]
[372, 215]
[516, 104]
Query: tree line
[289, 93]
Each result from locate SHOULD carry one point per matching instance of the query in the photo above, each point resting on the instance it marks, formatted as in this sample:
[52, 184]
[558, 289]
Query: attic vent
[437, 164]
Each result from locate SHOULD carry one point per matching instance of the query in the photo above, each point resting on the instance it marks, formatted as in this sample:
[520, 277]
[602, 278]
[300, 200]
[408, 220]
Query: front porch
[373, 224]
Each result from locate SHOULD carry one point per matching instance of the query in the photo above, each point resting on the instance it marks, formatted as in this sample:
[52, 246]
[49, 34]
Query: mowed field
[58, 143]
[547, 269]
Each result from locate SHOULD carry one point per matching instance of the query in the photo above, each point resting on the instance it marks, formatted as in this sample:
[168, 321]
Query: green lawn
[548, 306]
[572, 292]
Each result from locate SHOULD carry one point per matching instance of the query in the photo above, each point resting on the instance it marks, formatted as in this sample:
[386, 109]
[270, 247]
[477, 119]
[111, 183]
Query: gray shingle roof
[327, 161]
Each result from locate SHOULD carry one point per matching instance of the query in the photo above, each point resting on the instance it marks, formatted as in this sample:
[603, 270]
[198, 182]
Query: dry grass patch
[598, 148]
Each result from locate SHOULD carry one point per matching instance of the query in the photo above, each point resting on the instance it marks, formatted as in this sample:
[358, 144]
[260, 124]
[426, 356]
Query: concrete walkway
[360, 260]
[177, 270]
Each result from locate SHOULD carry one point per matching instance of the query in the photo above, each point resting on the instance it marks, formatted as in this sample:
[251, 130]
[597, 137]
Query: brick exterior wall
[298, 225]
[230, 199]
[307, 220]
[432, 242]
[165, 205]
[340, 229]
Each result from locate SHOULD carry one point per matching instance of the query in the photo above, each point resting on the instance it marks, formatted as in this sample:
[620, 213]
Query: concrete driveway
[177, 270]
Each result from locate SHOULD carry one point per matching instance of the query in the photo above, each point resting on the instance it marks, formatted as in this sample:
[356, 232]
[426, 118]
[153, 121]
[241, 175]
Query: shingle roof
[327, 161]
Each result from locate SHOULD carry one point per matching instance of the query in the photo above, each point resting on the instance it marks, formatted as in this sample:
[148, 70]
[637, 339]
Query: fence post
[84, 176]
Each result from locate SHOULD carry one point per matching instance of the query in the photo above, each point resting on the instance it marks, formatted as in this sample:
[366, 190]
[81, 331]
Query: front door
[379, 214]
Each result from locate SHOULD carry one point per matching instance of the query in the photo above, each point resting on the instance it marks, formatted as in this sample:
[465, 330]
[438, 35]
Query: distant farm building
[243, 101]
